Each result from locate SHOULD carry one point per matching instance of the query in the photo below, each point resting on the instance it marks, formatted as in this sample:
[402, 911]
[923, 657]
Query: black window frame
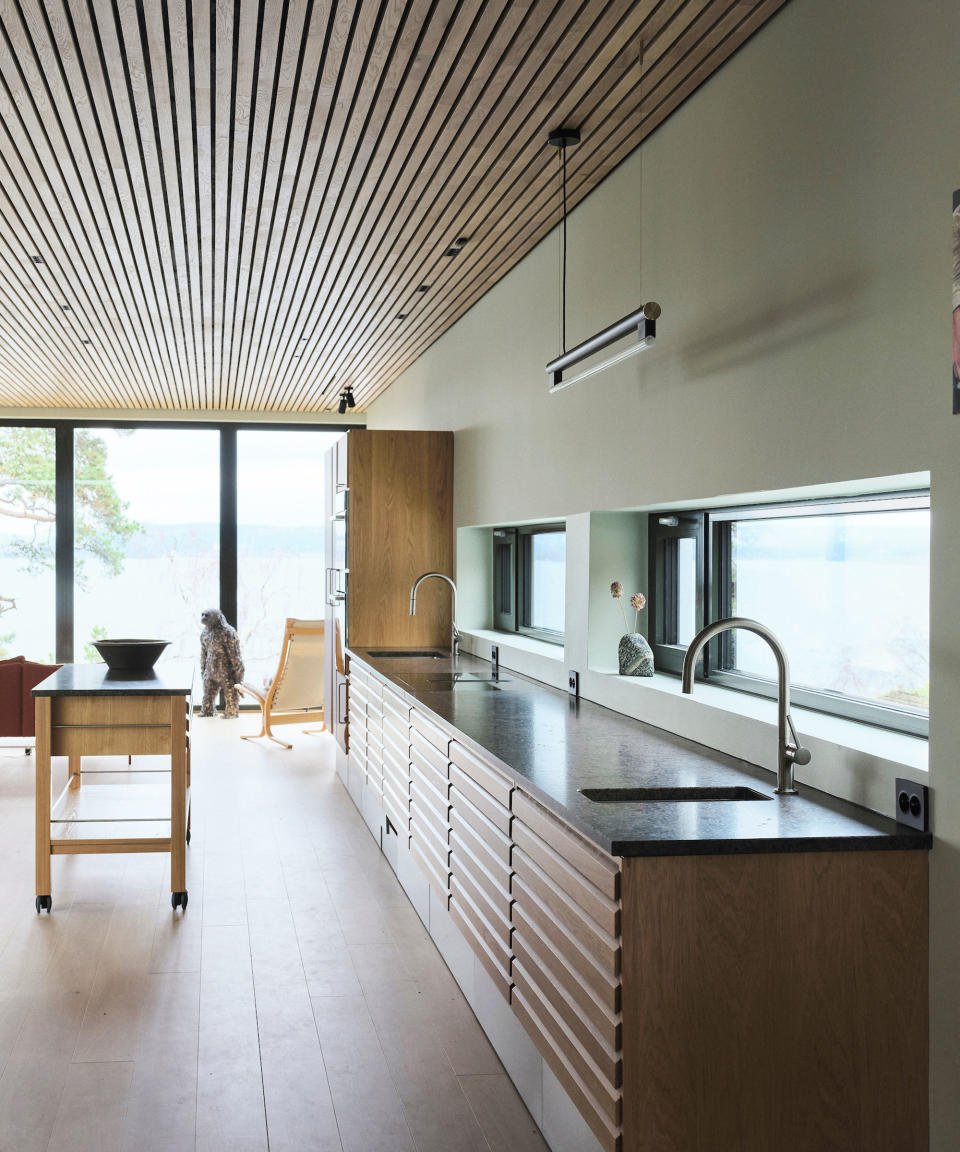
[513, 580]
[64, 571]
[714, 565]
[665, 530]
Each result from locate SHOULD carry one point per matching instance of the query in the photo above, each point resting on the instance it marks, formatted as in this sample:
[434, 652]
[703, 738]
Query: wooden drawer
[496, 891]
[462, 884]
[433, 732]
[601, 946]
[438, 878]
[358, 756]
[436, 777]
[540, 923]
[499, 871]
[538, 955]
[489, 932]
[397, 733]
[398, 709]
[494, 811]
[426, 751]
[112, 740]
[501, 979]
[400, 753]
[396, 769]
[491, 779]
[598, 906]
[128, 711]
[397, 804]
[600, 869]
[374, 713]
[603, 1080]
[358, 696]
[463, 812]
[374, 685]
[430, 798]
[595, 1112]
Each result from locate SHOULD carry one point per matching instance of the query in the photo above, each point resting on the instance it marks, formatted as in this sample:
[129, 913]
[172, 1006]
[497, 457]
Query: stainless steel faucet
[455, 635]
[788, 753]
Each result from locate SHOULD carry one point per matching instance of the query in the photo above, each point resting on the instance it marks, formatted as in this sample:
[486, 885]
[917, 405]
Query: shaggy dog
[221, 665]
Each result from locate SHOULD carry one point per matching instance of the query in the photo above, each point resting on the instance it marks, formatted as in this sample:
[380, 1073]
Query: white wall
[793, 219]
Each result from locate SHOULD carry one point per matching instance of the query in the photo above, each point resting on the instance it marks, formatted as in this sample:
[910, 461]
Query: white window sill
[537, 658]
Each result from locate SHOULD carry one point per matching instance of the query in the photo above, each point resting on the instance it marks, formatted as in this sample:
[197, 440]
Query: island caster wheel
[178, 900]
[44, 902]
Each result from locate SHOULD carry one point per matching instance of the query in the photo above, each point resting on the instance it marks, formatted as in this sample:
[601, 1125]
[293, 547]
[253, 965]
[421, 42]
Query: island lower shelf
[684, 1002]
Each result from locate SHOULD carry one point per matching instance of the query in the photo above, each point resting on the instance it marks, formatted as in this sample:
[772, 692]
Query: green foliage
[5, 641]
[90, 654]
[28, 492]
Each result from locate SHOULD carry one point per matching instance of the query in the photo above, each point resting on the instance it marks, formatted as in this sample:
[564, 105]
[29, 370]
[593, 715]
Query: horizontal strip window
[844, 584]
[529, 580]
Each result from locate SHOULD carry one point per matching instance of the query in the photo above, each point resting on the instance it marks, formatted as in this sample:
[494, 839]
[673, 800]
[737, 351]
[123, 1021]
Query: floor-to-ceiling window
[27, 542]
[280, 485]
[146, 535]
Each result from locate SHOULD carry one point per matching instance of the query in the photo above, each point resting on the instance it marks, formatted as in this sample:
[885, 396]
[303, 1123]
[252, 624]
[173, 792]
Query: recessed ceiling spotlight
[460, 241]
[86, 341]
[424, 288]
[402, 315]
[65, 307]
[452, 252]
[37, 259]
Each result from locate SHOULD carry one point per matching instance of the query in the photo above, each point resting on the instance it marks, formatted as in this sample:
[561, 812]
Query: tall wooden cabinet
[389, 520]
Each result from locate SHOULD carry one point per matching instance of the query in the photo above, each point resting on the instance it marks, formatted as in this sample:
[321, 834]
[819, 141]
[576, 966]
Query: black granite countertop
[98, 680]
[556, 747]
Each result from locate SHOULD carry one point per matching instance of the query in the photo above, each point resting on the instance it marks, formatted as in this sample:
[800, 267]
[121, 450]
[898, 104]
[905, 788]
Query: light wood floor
[297, 1005]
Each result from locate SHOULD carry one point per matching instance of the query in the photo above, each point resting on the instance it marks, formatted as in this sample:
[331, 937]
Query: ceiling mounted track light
[346, 400]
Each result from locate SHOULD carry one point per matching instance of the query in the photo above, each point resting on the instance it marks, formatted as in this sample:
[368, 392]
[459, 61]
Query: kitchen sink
[676, 795]
[397, 653]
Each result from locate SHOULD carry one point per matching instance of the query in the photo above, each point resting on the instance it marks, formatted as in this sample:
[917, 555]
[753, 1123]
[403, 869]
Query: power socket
[495, 659]
[912, 805]
[573, 683]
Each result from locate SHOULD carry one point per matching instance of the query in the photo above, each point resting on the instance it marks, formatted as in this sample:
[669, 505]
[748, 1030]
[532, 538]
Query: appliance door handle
[334, 594]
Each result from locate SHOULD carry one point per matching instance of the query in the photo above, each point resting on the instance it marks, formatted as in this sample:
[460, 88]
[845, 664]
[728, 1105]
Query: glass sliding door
[280, 539]
[147, 536]
[27, 543]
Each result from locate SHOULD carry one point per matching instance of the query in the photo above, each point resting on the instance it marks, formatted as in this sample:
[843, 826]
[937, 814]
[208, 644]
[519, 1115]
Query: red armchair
[17, 677]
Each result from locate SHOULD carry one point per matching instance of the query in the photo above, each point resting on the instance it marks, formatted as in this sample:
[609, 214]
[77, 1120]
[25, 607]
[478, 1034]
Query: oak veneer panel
[600, 908]
[437, 878]
[595, 1114]
[495, 887]
[775, 1002]
[488, 777]
[528, 909]
[397, 732]
[424, 753]
[463, 885]
[401, 486]
[433, 801]
[601, 946]
[114, 740]
[126, 710]
[499, 975]
[464, 813]
[491, 932]
[494, 811]
[599, 868]
[498, 869]
[428, 729]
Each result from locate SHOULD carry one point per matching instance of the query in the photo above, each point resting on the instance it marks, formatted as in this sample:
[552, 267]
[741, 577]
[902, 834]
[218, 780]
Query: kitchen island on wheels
[665, 954]
[86, 710]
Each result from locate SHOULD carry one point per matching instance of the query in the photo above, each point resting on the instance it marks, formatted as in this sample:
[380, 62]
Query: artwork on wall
[956, 301]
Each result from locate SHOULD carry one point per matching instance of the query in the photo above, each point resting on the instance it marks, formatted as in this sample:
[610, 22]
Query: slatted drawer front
[462, 916]
[426, 751]
[428, 844]
[495, 885]
[397, 803]
[436, 776]
[602, 1114]
[495, 812]
[465, 813]
[463, 884]
[599, 1024]
[489, 778]
[429, 797]
[540, 923]
[486, 928]
[601, 870]
[433, 732]
[398, 709]
[398, 734]
[602, 947]
[499, 870]
[397, 769]
[358, 694]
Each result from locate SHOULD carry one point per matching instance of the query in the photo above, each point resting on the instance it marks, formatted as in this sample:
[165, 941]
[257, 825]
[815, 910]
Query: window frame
[716, 666]
[513, 548]
[64, 571]
[663, 535]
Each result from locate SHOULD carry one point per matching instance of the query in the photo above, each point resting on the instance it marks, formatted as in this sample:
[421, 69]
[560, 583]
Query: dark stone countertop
[555, 747]
[98, 680]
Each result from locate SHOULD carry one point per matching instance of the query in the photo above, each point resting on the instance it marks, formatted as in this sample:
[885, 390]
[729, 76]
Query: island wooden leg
[178, 803]
[42, 767]
[75, 771]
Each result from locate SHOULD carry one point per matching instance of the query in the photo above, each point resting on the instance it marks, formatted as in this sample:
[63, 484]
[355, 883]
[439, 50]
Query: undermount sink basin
[397, 653]
[671, 795]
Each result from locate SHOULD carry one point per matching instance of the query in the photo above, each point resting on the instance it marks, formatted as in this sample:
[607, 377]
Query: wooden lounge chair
[296, 692]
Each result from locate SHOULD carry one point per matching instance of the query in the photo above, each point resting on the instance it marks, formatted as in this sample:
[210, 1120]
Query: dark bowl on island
[130, 655]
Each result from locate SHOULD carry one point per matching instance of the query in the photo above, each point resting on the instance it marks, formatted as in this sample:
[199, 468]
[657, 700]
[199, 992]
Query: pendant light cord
[563, 273]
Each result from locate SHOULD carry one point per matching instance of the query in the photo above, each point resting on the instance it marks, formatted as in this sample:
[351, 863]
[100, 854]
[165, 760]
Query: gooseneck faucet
[455, 635]
[788, 753]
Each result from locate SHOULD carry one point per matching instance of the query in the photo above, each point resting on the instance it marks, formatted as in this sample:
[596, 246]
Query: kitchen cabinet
[686, 1000]
[389, 516]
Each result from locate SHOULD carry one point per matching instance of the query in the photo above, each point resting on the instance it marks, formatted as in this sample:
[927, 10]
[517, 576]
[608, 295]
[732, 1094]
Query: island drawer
[397, 803]
[494, 811]
[487, 929]
[499, 869]
[463, 883]
[426, 751]
[462, 916]
[463, 812]
[396, 707]
[433, 732]
[489, 778]
[598, 867]
[494, 883]
[107, 711]
[398, 732]
[436, 875]
[427, 794]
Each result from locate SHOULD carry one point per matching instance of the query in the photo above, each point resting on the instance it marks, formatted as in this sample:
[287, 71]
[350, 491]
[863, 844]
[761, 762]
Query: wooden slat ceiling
[229, 204]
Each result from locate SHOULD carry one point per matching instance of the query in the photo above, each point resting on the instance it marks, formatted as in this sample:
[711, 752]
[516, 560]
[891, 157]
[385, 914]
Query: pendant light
[642, 323]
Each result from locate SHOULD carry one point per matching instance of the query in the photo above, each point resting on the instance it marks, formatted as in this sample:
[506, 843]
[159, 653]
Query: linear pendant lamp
[642, 323]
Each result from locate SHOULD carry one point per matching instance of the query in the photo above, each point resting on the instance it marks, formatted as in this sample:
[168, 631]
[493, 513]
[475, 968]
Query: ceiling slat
[233, 201]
